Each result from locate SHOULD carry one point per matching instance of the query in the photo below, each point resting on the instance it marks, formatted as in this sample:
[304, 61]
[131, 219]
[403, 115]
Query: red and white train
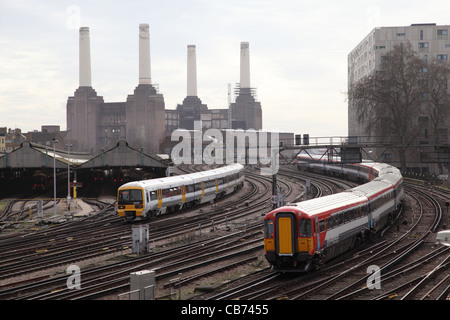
[301, 235]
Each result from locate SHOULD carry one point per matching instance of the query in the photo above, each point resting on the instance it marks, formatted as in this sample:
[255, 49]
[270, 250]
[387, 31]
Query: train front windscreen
[130, 196]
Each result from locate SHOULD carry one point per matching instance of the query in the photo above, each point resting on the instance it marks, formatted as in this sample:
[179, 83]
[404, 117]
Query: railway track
[59, 246]
[410, 264]
[236, 222]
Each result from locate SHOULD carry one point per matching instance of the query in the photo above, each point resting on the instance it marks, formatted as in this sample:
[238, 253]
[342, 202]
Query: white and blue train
[149, 198]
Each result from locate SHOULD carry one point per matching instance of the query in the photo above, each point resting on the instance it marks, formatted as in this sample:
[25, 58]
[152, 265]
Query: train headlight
[121, 207]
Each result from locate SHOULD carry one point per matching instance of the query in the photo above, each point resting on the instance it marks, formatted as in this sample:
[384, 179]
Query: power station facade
[246, 111]
[142, 119]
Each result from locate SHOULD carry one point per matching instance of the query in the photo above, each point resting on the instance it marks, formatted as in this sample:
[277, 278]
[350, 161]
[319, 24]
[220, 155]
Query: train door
[183, 194]
[316, 230]
[159, 195]
[217, 185]
[370, 173]
[369, 217]
[285, 234]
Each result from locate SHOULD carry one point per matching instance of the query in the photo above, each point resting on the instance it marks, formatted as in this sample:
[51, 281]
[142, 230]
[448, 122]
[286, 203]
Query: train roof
[372, 189]
[218, 172]
[168, 182]
[393, 178]
[158, 182]
[330, 204]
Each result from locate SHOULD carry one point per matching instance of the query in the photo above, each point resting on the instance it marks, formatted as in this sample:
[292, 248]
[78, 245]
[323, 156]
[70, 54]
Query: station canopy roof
[33, 155]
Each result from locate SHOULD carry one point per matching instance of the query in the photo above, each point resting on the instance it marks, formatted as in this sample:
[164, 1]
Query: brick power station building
[142, 119]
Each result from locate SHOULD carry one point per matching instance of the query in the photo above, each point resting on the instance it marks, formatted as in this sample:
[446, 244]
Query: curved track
[206, 243]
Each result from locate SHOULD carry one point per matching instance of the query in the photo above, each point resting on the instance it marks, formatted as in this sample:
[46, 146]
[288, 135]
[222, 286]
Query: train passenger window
[321, 225]
[341, 218]
[346, 216]
[335, 220]
[167, 193]
[351, 214]
[366, 210]
[304, 228]
[329, 221]
[153, 195]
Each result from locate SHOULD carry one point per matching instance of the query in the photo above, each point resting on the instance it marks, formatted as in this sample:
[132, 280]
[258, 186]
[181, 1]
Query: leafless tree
[438, 102]
[388, 100]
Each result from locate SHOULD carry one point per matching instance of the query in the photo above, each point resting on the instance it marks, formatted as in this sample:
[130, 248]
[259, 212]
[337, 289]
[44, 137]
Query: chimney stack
[144, 54]
[85, 58]
[245, 65]
[191, 71]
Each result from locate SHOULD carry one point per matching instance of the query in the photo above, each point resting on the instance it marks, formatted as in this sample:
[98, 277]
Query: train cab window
[268, 229]
[304, 228]
[130, 196]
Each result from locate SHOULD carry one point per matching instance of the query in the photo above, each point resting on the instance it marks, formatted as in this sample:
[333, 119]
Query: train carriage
[299, 236]
[147, 198]
[320, 230]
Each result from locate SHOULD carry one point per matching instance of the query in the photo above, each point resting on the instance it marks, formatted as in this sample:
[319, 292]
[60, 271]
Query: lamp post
[68, 174]
[54, 176]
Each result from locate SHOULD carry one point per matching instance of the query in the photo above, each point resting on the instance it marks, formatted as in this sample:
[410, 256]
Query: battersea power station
[142, 119]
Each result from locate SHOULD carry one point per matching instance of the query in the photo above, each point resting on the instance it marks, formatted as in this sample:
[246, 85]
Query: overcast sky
[298, 53]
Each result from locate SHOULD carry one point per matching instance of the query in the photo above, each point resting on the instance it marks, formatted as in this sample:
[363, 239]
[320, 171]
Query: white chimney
[245, 65]
[85, 58]
[144, 55]
[191, 71]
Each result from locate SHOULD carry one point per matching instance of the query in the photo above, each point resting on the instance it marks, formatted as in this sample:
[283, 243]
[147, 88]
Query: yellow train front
[288, 240]
[130, 202]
